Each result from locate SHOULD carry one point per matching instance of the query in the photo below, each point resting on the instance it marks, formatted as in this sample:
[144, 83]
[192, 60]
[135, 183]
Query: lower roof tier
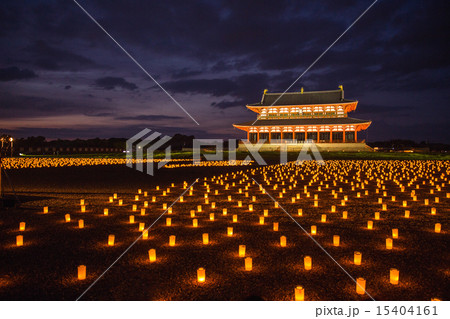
[307, 121]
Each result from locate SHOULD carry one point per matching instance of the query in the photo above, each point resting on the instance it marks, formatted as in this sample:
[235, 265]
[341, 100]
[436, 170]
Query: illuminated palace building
[299, 117]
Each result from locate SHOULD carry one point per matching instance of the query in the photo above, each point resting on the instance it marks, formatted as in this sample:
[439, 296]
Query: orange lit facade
[299, 117]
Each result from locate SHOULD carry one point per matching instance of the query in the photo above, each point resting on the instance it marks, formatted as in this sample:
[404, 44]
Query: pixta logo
[141, 147]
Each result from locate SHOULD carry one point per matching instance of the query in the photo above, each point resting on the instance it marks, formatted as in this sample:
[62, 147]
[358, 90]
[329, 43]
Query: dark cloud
[14, 73]
[111, 82]
[149, 118]
[67, 87]
[227, 104]
[185, 72]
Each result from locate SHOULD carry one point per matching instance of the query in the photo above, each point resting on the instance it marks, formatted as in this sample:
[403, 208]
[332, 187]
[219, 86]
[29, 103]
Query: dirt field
[45, 267]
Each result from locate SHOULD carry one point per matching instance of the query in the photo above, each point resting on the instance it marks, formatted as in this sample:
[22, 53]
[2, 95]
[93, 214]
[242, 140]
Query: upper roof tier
[302, 98]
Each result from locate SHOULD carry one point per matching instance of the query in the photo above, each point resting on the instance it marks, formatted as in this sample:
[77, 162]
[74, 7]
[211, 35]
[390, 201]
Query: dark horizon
[62, 77]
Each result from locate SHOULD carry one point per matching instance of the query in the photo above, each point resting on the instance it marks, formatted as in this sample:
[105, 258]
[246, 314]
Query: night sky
[62, 77]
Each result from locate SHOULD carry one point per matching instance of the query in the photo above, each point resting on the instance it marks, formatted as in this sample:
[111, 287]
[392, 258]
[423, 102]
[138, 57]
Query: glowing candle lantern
[230, 231]
[67, 217]
[22, 226]
[405, 203]
[81, 272]
[192, 213]
[283, 241]
[239, 203]
[369, 224]
[19, 240]
[205, 239]
[235, 218]
[164, 205]
[213, 205]
[120, 202]
[211, 216]
[172, 240]
[81, 223]
[276, 204]
[134, 208]
[393, 276]
[206, 200]
[360, 286]
[201, 275]
[323, 218]
[136, 197]
[333, 209]
[377, 215]
[115, 195]
[168, 221]
[394, 233]
[344, 214]
[248, 264]
[407, 212]
[426, 201]
[83, 209]
[199, 208]
[153, 199]
[111, 199]
[389, 243]
[393, 198]
[143, 211]
[81, 202]
[152, 255]
[336, 240]
[313, 230]
[105, 211]
[261, 220]
[357, 258]
[436, 199]
[342, 202]
[45, 209]
[275, 226]
[131, 219]
[250, 207]
[433, 211]
[145, 234]
[141, 226]
[195, 222]
[384, 207]
[316, 203]
[266, 212]
[300, 212]
[224, 212]
[307, 261]
[380, 200]
[229, 198]
[299, 293]
[111, 240]
[241, 250]
[437, 228]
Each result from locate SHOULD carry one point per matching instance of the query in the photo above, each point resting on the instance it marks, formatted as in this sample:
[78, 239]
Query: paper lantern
[299, 293]
[437, 228]
[394, 233]
[323, 219]
[248, 264]
[436, 199]
[405, 203]
[67, 218]
[172, 240]
[81, 223]
[192, 213]
[433, 211]
[81, 272]
[360, 286]
[211, 216]
[141, 226]
[136, 197]
[111, 199]
[276, 204]
[380, 200]
[195, 222]
[369, 224]
[230, 231]
[393, 198]
[153, 199]
[384, 207]
[393, 276]
[250, 207]
[168, 221]
[45, 209]
[115, 195]
[307, 261]
[199, 208]
[407, 212]
[120, 202]
[344, 214]
[111, 240]
[235, 218]
[275, 226]
[134, 208]
[105, 211]
[224, 212]
[426, 201]
[131, 219]
[377, 215]
[145, 234]
[333, 209]
[152, 255]
[357, 258]
[261, 220]
[389, 243]
[22, 226]
[266, 212]
[81, 202]
[201, 275]
[239, 203]
[316, 203]
[241, 250]
[205, 239]
[229, 198]
[83, 209]
[336, 240]
[300, 212]
[313, 230]
[283, 241]
[19, 240]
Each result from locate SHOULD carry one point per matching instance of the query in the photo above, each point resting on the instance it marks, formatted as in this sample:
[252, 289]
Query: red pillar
[318, 136]
[356, 138]
[248, 136]
[343, 136]
[331, 136]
